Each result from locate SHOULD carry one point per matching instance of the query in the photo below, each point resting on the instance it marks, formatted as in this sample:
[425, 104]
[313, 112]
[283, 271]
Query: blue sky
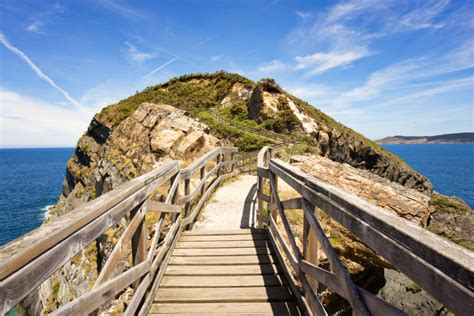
[381, 67]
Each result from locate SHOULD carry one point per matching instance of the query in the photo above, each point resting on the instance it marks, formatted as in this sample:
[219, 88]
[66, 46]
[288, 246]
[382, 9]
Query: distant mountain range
[456, 138]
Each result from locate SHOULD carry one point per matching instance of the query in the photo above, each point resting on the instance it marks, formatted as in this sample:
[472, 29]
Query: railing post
[232, 166]
[187, 190]
[174, 198]
[218, 161]
[139, 238]
[310, 246]
[260, 203]
[202, 173]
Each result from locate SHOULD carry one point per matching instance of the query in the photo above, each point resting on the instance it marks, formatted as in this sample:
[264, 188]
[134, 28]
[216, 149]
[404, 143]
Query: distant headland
[455, 138]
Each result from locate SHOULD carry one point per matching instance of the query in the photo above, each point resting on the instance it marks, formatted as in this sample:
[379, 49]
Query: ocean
[450, 167]
[31, 179]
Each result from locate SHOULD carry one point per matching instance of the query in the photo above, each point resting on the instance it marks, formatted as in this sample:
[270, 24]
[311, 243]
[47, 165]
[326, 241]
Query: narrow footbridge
[262, 269]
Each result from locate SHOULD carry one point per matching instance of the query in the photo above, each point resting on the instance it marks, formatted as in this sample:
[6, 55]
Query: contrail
[161, 67]
[38, 71]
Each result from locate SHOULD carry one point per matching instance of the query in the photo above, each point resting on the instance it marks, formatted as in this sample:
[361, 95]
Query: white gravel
[231, 207]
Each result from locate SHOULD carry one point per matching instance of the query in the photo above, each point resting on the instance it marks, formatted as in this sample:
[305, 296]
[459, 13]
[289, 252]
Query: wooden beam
[18, 285]
[430, 275]
[162, 207]
[23, 250]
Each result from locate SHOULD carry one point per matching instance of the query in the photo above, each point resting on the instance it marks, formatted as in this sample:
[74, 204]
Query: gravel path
[231, 206]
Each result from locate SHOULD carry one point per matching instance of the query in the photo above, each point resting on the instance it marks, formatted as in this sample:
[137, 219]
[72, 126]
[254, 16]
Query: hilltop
[455, 138]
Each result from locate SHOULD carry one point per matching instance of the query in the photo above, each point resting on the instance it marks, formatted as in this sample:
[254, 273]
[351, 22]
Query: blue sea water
[450, 167]
[30, 180]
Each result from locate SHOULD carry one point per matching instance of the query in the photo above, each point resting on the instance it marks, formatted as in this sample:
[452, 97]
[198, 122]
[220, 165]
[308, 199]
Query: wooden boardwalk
[224, 272]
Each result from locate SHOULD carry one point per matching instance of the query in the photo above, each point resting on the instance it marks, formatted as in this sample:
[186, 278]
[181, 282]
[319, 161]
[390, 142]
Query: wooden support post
[187, 190]
[260, 213]
[202, 173]
[232, 167]
[139, 238]
[173, 199]
[218, 161]
[310, 247]
[273, 199]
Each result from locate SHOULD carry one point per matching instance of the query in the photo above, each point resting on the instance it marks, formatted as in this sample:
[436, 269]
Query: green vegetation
[243, 140]
[188, 92]
[413, 287]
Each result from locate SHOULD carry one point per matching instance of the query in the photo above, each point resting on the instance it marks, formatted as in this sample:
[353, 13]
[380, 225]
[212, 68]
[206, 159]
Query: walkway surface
[231, 207]
[222, 267]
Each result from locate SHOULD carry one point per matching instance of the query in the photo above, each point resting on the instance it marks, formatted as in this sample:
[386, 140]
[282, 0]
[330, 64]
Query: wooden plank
[222, 270]
[18, 285]
[197, 232]
[187, 173]
[93, 299]
[289, 276]
[262, 308]
[261, 236]
[431, 275]
[222, 244]
[339, 270]
[375, 304]
[229, 294]
[289, 254]
[114, 257]
[221, 260]
[155, 206]
[223, 281]
[223, 251]
[450, 258]
[159, 277]
[263, 197]
[29, 246]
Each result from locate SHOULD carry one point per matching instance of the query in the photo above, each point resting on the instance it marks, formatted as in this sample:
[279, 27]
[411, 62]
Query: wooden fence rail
[31, 259]
[442, 268]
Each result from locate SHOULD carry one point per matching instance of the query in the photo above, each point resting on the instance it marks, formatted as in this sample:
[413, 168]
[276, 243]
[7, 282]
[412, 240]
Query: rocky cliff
[177, 120]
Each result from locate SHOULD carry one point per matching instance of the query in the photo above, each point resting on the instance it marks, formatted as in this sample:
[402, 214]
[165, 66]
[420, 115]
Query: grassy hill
[266, 109]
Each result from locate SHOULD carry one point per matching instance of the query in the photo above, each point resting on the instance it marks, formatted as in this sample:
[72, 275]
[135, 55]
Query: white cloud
[26, 122]
[35, 26]
[322, 62]
[38, 71]
[43, 18]
[137, 56]
[273, 66]
[423, 17]
[303, 15]
[216, 57]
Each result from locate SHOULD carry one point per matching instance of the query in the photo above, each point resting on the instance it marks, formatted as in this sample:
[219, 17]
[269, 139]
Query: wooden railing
[442, 268]
[31, 259]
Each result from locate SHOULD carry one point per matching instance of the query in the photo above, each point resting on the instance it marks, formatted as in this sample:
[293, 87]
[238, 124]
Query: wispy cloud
[273, 66]
[43, 18]
[172, 60]
[424, 16]
[322, 62]
[210, 38]
[117, 7]
[38, 71]
[135, 55]
[216, 57]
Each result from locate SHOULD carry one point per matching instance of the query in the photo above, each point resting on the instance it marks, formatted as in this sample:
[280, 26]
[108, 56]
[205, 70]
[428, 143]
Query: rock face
[403, 201]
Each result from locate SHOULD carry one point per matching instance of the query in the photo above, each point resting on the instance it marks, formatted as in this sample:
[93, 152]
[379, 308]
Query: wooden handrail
[441, 267]
[31, 259]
